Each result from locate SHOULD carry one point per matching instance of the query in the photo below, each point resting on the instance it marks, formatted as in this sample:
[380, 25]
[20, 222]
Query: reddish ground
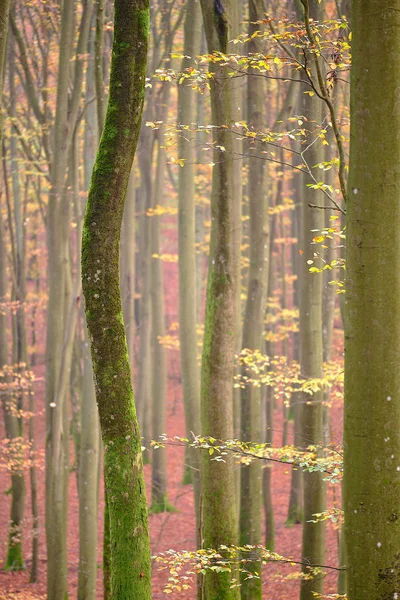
[171, 530]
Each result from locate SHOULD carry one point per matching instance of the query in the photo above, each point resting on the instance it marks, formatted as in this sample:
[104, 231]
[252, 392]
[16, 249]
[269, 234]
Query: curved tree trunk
[129, 535]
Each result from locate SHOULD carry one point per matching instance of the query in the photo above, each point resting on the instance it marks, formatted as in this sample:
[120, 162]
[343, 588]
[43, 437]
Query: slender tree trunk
[295, 510]
[311, 360]
[34, 575]
[129, 534]
[188, 273]
[159, 499]
[144, 378]
[200, 208]
[253, 325]
[14, 559]
[372, 309]
[329, 291]
[220, 523]
[90, 439]
[98, 64]
[236, 98]
[285, 345]
[57, 468]
[88, 489]
[269, 407]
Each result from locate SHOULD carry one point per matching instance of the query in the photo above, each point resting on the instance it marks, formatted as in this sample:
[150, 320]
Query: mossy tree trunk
[127, 507]
[188, 273]
[218, 483]
[372, 307]
[253, 325]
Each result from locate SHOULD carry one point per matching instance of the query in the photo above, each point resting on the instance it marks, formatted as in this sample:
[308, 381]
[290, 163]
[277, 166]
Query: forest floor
[174, 530]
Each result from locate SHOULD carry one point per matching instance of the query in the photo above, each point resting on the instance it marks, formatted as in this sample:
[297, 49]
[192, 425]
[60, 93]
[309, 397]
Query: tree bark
[219, 510]
[129, 534]
[372, 308]
[253, 324]
[90, 447]
[159, 499]
[188, 272]
[311, 352]
[14, 559]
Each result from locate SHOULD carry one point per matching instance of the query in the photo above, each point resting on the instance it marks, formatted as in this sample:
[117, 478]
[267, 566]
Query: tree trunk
[372, 308]
[295, 510]
[159, 499]
[188, 273]
[129, 534]
[220, 524]
[145, 155]
[57, 468]
[311, 353]
[90, 440]
[253, 325]
[14, 559]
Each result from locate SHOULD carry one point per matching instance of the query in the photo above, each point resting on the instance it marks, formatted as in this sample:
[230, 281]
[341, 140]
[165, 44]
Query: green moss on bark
[123, 466]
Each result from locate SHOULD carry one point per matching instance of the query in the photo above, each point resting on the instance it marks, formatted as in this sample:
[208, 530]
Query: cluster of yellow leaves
[14, 307]
[329, 235]
[25, 595]
[15, 378]
[186, 565]
[159, 211]
[280, 323]
[325, 460]
[329, 596]
[17, 454]
[282, 40]
[335, 515]
[284, 376]
[169, 258]
[171, 340]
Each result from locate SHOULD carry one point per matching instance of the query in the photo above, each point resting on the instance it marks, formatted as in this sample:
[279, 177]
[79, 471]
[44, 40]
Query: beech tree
[125, 488]
[251, 475]
[372, 385]
[218, 484]
[188, 284]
